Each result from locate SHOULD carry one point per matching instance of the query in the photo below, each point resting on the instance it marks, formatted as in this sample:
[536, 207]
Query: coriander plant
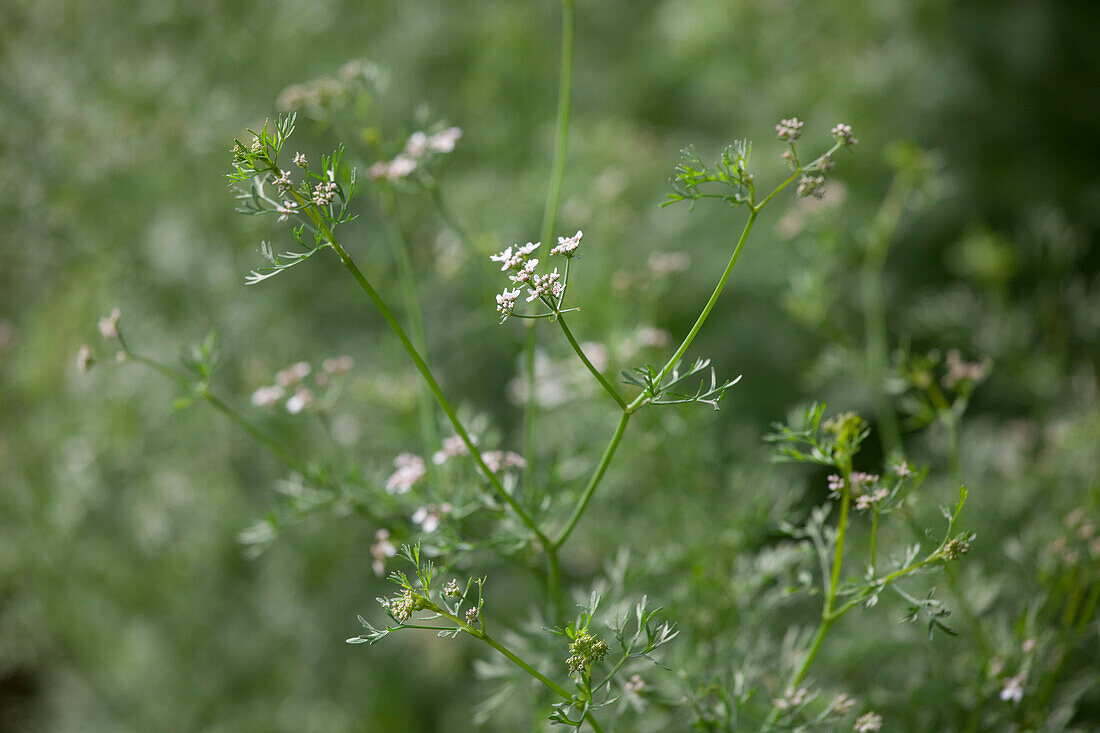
[465, 499]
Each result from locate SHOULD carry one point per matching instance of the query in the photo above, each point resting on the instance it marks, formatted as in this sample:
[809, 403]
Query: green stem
[549, 220]
[595, 372]
[565, 84]
[593, 482]
[707, 308]
[237, 418]
[429, 378]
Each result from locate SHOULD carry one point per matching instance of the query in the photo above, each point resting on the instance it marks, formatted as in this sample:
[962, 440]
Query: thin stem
[593, 482]
[549, 220]
[874, 533]
[565, 84]
[595, 372]
[707, 308]
[237, 418]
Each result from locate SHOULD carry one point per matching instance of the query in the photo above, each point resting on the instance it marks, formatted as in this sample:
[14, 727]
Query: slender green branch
[549, 221]
[593, 482]
[595, 372]
[707, 308]
[561, 141]
[277, 448]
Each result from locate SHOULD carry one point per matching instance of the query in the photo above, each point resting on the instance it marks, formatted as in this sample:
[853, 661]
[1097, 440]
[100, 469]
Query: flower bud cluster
[956, 548]
[583, 651]
[843, 134]
[417, 146]
[790, 129]
[402, 607]
[568, 245]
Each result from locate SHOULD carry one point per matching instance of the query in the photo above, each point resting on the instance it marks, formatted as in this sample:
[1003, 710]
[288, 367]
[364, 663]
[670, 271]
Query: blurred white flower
[268, 395]
[108, 326]
[410, 469]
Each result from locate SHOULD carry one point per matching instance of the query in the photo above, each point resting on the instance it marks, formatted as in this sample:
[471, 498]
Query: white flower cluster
[290, 381]
[428, 517]
[498, 460]
[410, 469]
[283, 181]
[418, 144]
[568, 245]
[843, 134]
[324, 192]
[789, 130]
[453, 447]
[285, 210]
[868, 723]
[517, 261]
[380, 550]
[108, 326]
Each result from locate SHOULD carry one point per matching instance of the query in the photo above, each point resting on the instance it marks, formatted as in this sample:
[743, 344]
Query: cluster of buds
[843, 134]
[868, 723]
[791, 699]
[956, 547]
[451, 589]
[811, 186]
[568, 245]
[453, 447]
[583, 651]
[324, 193]
[403, 606]
[842, 705]
[546, 286]
[472, 616]
[961, 372]
[790, 129]
[872, 499]
[498, 460]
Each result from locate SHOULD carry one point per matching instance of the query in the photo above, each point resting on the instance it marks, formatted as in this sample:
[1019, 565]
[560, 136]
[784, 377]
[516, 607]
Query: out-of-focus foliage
[127, 600]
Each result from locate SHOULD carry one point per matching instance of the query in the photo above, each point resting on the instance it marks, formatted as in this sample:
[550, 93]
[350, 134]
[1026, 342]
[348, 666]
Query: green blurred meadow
[128, 601]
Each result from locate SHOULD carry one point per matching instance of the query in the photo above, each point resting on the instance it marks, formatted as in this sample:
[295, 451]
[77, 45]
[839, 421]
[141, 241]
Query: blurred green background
[127, 601]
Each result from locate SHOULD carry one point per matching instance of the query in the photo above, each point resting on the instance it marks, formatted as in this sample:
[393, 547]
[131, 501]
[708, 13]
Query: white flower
[791, 699]
[283, 181]
[508, 259]
[410, 469]
[866, 501]
[108, 326]
[453, 447]
[495, 460]
[380, 550]
[1014, 688]
[84, 358]
[293, 374]
[545, 285]
[299, 401]
[860, 479]
[338, 365]
[635, 684]
[526, 249]
[836, 484]
[667, 263]
[416, 145]
[568, 245]
[653, 337]
[267, 396]
[525, 273]
[902, 470]
[506, 301]
[400, 167]
[867, 723]
[842, 704]
[428, 517]
[444, 141]
[285, 210]
[300, 160]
